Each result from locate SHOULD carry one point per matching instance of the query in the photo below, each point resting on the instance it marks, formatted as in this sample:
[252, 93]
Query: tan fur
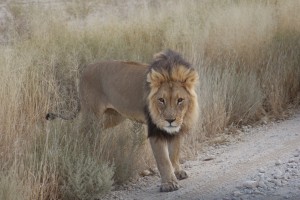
[113, 88]
[120, 90]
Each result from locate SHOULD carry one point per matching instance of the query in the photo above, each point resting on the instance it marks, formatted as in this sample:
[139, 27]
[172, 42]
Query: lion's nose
[170, 120]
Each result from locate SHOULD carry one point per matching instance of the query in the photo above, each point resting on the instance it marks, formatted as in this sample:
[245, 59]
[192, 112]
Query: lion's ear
[187, 76]
[192, 77]
[160, 56]
[155, 78]
[191, 80]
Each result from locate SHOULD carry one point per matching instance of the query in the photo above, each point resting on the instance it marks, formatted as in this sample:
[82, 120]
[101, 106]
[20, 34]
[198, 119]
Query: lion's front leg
[160, 150]
[174, 152]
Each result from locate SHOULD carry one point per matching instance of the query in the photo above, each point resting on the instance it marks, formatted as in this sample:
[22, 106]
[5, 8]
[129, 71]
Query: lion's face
[172, 100]
[169, 106]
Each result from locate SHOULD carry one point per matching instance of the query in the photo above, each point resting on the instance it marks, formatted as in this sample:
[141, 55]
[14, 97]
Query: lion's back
[116, 84]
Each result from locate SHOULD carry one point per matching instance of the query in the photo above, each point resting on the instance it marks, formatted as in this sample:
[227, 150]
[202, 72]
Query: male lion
[161, 94]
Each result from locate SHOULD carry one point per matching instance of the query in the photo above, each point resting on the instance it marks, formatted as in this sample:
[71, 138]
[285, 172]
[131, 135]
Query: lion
[161, 95]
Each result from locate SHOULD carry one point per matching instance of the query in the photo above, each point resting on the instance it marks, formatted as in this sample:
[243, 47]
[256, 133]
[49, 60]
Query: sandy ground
[258, 163]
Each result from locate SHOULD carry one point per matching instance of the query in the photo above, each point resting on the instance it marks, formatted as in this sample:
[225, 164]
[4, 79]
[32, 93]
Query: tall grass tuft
[84, 178]
[247, 54]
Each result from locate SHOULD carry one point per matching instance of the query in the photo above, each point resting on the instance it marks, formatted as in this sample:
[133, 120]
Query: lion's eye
[179, 101]
[161, 100]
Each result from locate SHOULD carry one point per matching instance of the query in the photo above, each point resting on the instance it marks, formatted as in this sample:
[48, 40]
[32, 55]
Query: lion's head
[171, 98]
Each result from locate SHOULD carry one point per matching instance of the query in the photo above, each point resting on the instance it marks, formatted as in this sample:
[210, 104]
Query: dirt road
[259, 163]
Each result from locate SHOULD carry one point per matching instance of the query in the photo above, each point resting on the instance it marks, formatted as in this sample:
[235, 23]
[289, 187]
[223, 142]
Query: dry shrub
[227, 96]
[84, 178]
[12, 187]
[248, 61]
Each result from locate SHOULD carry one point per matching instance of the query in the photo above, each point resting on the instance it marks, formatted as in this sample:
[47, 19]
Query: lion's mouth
[172, 129]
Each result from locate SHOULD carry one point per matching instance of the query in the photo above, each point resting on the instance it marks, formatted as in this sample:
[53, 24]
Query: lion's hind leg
[111, 118]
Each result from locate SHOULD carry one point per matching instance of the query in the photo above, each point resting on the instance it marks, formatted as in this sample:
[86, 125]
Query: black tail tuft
[50, 116]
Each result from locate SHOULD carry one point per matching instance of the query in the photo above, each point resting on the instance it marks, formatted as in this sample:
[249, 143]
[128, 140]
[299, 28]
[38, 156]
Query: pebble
[276, 182]
[278, 162]
[287, 176]
[292, 165]
[261, 176]
[262, 184]
[261, 170]
[245, 129]
[146, 173]
[284, 182]
[258, 192]
[250, 184]
[237, 193]
[294, 172]
[292, 160]
[278, 174]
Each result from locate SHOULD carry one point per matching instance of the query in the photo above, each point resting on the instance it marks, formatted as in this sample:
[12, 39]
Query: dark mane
[172, 67]
[167, 60]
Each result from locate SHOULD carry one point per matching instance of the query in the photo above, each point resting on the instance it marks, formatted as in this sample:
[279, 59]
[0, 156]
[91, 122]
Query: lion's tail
[52, 116]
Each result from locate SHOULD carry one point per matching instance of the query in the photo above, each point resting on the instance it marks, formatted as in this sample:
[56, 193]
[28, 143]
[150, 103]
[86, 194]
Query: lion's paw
[181, 175]
[169, 186]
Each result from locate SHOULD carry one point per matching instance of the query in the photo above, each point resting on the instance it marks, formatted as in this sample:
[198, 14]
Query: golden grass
[247, 54]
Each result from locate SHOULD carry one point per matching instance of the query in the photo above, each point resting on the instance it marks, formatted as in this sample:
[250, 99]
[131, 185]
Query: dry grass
[247, 54]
